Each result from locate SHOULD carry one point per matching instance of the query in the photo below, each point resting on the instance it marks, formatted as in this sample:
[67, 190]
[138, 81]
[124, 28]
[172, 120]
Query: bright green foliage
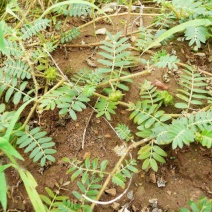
[150, 94]
[161, 134]
[84, 168]
[166, 97]
[145, 39]
[2, 108]
[23, 59]
[205, 137]
[78, 10]
[180, 134]
[13, 90]
[178, 28]
[115, 58]
[125, 172]
[5, 145]
[13, 72]
[91, 173]
[12, 153]
[168, 61]
[115, 54]
[117, 84]
[157, 55]
[3, 190]
[40, 56]
[68, 206]
[5, 118]
[106, 108]
[196, 35]
[15, 69]
[151, 154]
[67, 99]
[2, 43]
[185, 130]
[202, 205]
[89, 90]
[147, 117]
[193, 89]
[86, 76]
[165, 20]
[115, 96]
[191, 16]
[31, 30]
[70, 35]
[161, 32]
[162, 60]
[12, 49]
[36, 142]
[90, 187]
[74, 10]
[51, 74]
[53, 200]
[189, 8]
[123, 132]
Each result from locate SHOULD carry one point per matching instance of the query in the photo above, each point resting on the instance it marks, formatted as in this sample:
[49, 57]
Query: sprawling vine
[30, 77]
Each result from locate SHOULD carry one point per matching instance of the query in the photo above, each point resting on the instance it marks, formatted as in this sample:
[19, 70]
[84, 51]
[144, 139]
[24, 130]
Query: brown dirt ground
[187, 173]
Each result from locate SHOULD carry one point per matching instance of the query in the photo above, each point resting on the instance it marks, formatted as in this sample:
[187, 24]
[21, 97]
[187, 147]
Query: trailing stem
[107, 181]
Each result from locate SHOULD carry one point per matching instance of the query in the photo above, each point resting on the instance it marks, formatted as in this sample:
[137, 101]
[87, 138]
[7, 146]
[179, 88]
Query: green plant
[193, 23]
[193, 92]
[192, 17]
[203, 204]
[152, 154]
[28, 180]
[19, 68]
[54, 200]
[92, 174]
[184, 129]
[36, 141]
[29, 74]
[124, 132]
[153, 96]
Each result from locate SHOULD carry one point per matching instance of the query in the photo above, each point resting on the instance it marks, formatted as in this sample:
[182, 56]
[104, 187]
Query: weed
[30, 76]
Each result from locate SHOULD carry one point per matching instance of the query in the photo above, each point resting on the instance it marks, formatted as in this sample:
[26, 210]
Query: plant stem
[128, 16]
[113, 15]
[29, 116]
[171, 7]
[107, 181]
[54, 88]
[98, 43]
[29, 10]
[119, 14]
[128, 105]
[205, 108]
[124, 77]
[199, 70]
[36, 104]
[30, 63]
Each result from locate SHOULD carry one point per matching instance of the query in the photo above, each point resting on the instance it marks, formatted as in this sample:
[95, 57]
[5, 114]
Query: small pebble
[115, 206]
[200, 54]
[111, 191]
[169, 192]
[107, 136]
